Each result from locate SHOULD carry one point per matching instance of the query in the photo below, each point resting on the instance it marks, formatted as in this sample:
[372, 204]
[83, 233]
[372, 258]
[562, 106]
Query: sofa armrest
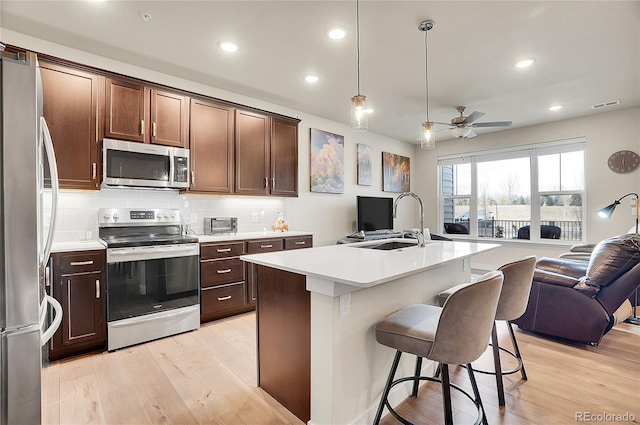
[551, 278]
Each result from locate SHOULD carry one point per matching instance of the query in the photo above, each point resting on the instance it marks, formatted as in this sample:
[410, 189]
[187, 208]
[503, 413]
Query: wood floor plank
[209, 377]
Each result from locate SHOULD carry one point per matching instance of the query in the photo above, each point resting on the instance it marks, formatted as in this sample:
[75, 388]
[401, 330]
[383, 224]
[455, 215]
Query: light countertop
[270, 234]
[350, 264]
[96, 244]
[77, 246]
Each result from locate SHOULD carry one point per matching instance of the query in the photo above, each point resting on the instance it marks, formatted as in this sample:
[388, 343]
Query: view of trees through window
[490, 195]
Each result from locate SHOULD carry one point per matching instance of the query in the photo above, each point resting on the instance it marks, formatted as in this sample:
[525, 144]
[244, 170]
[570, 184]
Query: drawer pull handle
[97, 289]
[266, 246]
[228, 297]
[81, 263]
[224, 250]
[223, 271]
[299, 243]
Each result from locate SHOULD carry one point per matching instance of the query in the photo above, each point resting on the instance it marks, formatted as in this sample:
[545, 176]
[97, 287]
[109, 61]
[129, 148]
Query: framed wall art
[364, 164]
[396, 171]
[327, 162]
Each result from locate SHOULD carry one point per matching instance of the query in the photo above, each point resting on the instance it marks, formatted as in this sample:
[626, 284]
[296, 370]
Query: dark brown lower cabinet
[78, 283]
[284, 339]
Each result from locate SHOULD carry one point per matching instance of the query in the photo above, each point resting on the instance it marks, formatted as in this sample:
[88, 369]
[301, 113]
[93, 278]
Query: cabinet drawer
[264, 245]
[222, 250]
[218, 298]
[81, 262]
[221, 271]
[299, 242]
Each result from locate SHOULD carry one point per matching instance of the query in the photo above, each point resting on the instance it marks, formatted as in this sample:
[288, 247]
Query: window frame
[532, 151]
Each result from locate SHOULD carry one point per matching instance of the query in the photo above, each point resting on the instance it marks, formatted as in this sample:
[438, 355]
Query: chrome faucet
[420, 233]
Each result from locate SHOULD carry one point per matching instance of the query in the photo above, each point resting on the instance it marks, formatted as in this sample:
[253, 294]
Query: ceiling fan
[463, 126]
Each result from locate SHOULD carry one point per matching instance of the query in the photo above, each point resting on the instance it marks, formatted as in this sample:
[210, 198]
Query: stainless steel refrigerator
[27, 158]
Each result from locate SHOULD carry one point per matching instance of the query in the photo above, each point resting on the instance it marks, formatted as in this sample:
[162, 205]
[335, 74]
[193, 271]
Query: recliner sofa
[576, 299]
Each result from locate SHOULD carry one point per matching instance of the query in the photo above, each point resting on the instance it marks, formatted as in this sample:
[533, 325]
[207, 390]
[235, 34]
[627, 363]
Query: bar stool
[457, 333]
[512, 304]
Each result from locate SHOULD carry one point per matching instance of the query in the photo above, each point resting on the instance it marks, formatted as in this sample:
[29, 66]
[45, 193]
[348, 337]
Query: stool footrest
[504, 372]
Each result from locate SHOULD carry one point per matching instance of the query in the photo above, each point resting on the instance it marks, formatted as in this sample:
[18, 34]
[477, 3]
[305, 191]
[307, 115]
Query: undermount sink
[389, 246]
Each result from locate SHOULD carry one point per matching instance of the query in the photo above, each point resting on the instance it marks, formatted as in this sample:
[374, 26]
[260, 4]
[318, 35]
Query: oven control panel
[108, 217]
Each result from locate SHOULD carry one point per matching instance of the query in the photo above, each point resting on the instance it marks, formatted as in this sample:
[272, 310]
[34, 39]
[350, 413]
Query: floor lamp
[606, 213]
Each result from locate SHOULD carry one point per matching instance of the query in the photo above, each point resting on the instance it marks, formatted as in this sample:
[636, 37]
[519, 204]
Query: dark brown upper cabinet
[252, 153]
[71, 110]
[211, 146]
[266, 155]
[141, 114]
[284, 157]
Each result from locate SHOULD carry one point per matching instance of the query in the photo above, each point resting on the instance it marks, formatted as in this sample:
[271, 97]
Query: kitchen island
[317, 353]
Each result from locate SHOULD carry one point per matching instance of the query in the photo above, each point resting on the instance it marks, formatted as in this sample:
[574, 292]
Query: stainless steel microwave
[144, 165]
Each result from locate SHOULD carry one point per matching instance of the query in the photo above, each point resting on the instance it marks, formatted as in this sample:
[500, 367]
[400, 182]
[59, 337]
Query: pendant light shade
[428, 133]
[359, 115]
[428, 136]
[359, 112]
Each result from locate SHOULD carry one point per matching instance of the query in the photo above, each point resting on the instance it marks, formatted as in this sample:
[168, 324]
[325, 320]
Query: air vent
[605, 104]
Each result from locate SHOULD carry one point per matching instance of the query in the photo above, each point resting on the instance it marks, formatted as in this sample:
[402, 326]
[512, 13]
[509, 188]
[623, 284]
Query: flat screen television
[374, 213]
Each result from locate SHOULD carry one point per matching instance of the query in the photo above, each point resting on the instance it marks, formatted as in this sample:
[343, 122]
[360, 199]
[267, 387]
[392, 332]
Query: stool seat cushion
[411, 330]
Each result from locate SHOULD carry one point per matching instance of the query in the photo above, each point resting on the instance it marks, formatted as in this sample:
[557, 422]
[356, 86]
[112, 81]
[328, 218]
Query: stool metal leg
[416, 383]
[496, 363]
[387, 387]
[476, 393]
[446, 394]
[517, 350]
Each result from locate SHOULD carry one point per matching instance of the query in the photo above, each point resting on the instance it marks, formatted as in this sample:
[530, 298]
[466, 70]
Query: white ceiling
[586, 53]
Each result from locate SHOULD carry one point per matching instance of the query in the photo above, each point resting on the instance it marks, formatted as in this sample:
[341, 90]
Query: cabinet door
[211, 146]
[126, 110]
[169, 119]
[71, 111]
[252, 153]
[284, 157]
[83, 318]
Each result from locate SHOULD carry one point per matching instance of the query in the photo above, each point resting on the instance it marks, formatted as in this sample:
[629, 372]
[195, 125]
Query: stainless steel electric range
[153, 275]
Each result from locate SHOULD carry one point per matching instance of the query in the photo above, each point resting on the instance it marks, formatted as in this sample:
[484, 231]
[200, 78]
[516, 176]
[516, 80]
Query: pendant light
[359, 115]
[428, 132]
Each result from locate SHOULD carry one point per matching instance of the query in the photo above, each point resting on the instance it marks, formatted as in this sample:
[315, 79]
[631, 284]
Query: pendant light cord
[426, 72]
[358, 43]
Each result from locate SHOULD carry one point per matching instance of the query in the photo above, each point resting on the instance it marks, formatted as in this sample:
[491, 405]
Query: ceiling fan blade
[442, 123]
[492, 124]
[470, 135]
[473, 117]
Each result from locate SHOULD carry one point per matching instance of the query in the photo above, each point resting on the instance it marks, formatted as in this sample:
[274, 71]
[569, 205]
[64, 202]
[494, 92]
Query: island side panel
[349, 368]
[284, 339]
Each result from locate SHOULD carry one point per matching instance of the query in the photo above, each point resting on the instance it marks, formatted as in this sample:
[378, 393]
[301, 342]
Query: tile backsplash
[78, 210]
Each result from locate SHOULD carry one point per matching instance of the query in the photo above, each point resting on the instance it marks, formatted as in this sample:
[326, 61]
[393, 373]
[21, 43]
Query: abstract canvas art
[327, 162]
[396, 170]
[364, 165]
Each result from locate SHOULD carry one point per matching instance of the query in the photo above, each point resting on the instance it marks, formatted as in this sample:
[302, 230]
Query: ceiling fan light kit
[428, 133]
[359, 115]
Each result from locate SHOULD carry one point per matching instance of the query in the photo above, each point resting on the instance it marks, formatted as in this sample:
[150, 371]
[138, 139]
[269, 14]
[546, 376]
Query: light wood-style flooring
[209, 377]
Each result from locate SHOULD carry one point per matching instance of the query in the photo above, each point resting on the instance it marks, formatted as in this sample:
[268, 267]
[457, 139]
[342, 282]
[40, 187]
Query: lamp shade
[608, 210]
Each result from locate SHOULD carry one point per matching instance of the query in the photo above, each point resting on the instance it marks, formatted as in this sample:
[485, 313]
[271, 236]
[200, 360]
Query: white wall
[605, 133]
[329, 216]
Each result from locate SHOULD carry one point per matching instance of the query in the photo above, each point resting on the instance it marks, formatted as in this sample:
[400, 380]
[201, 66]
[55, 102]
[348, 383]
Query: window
[528, 192]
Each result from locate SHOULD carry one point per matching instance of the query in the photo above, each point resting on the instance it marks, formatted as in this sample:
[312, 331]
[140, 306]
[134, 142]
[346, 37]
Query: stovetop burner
[120, 241]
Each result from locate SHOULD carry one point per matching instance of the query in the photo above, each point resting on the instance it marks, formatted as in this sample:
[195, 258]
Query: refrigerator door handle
[57, 319]
[53, 169]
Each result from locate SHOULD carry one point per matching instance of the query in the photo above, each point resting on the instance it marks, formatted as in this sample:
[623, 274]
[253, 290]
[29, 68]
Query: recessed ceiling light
[524, 63]
[146, 16]
[555, 107]
[311, 78]
[228, 46]
[337, 33]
